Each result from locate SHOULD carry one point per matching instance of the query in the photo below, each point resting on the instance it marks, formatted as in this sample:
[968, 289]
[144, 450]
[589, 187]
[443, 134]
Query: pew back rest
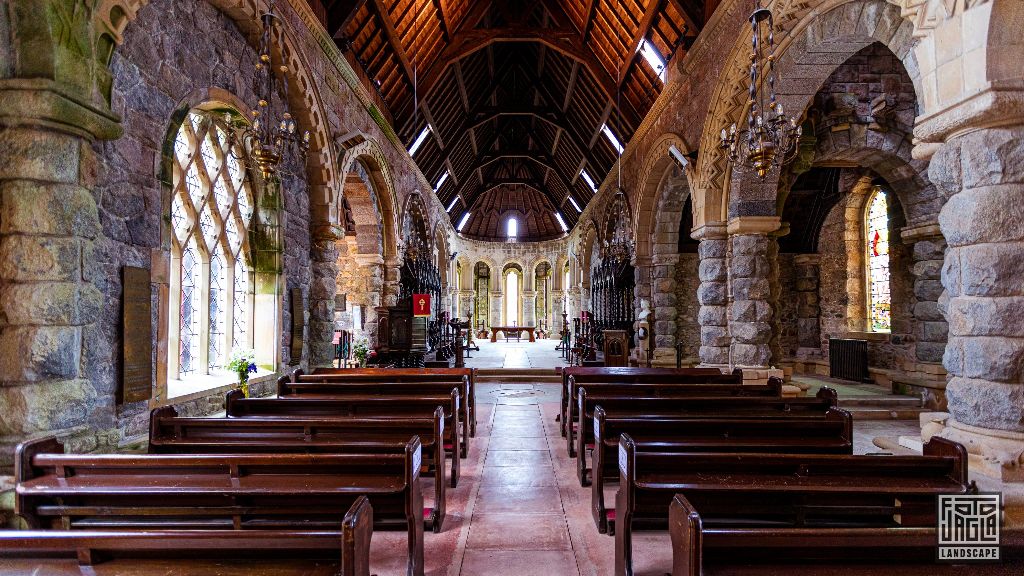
[344, 404]
[232, 490]
[858, 485]
[330, 384]
[682, 404]
[836, 424]
[170, 433]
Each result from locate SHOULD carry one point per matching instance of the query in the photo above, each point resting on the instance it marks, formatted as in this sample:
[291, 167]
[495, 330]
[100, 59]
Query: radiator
[848, 359]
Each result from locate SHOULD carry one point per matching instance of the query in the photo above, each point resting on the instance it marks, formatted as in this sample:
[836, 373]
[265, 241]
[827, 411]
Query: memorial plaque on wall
[137, 328]
[298, 326]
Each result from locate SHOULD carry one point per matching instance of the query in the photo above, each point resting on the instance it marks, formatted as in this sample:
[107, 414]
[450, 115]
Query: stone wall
[789, 331]
[173, 56]
[528, 255]
[687, 281]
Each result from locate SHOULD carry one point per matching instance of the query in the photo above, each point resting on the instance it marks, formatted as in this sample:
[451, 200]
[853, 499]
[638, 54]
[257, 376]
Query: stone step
[518, 375]
[880, 401]
[861, 413]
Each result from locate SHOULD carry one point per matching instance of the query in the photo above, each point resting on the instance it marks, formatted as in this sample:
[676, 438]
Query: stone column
[983, 277]
[808, 311]
[775, 291]
[932, 328]
[665, 306]
[750, 322]
[324, 286]
[55, 102]
[497, 309]
[529, 308]
[465, 304]
[712, 294]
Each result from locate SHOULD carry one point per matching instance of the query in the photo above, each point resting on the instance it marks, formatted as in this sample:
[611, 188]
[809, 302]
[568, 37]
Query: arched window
[211, 210]
[511, 298]
[512, 228]
[879, 299]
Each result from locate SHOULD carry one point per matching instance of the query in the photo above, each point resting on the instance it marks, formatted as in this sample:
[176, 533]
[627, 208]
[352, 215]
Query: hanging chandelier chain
[770, 138]
[268, 141]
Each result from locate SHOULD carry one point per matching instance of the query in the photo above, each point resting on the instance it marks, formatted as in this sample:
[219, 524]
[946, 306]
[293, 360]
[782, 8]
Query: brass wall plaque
[298, 327]
[137, 330]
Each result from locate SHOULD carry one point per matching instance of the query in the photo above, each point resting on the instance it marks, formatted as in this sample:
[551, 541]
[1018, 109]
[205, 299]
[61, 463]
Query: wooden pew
[250, 493]
[624, 375]
[592, 380]
[356, 405]
[453, 375]
[652, 400]
[299, 384]
[799, 490]
[581, 421]
[806, 432]
[698, 536]
[41, 551]
[172, 434]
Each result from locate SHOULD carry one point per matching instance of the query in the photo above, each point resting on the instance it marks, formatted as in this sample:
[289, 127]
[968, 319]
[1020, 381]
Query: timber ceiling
[515, 92]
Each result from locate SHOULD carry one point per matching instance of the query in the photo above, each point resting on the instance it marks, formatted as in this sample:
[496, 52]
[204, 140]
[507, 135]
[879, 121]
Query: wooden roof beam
[340, 14]
[694, 13]
[642, 30]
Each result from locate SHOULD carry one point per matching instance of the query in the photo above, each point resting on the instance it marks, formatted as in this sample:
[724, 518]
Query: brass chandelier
[770, 138]
[269, 141]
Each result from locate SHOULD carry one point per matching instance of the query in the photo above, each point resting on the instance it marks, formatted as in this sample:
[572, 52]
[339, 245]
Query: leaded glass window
[211, 210]
[880, 300]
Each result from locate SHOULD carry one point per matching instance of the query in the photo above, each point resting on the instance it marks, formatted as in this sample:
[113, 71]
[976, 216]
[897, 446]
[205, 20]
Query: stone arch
[816, 44]
[306, 103]
[415, 221]
[658, 166]
[367, 156]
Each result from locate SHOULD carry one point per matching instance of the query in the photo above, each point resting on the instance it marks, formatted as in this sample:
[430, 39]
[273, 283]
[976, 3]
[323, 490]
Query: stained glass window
[211, 210]
[189, 309]
[880, 300]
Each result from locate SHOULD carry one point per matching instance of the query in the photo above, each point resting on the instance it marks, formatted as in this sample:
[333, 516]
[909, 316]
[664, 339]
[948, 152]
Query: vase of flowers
[361, 352]
[242, 363]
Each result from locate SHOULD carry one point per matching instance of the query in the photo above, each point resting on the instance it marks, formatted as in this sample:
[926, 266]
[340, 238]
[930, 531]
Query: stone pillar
[775, 292]
[665, 306]
[750, 322]
[808, 311]
[713, 294]
[324, 255]
[497, 309]
[982, 274]
[932, 328]
[465, 304]
[392, 270]
[55, 98]
[529, 308]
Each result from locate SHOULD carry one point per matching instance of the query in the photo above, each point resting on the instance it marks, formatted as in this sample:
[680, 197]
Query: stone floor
[512, 354]
[520, 510]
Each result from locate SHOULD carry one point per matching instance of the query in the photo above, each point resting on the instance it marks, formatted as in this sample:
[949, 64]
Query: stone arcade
[555, 164]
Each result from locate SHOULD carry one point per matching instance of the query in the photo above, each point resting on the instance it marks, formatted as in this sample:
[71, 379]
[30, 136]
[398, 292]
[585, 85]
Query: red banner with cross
[421, 305]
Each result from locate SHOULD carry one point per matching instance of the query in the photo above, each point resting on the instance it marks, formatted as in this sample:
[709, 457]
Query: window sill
[179, 391]
[869, 336]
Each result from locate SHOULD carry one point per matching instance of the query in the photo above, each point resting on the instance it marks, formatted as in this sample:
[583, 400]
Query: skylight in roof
[462, 223]
[561, 222]
[653, 57]
[574, 204]
[419, 141]
[452, 205]
[441, 181]
[589, 181]
[611, 138]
